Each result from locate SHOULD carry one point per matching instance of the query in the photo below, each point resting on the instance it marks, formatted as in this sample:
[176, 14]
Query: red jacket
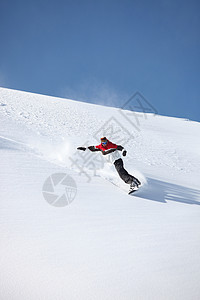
[109, 145]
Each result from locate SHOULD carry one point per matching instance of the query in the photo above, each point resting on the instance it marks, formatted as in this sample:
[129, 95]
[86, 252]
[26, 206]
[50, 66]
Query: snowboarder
[107, 147]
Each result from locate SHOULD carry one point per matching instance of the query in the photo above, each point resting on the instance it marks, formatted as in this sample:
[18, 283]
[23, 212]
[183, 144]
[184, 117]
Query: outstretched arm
[91, 148]
[105, 152]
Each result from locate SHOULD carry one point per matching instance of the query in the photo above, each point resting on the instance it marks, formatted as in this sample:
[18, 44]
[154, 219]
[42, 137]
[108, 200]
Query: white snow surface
[105, 244]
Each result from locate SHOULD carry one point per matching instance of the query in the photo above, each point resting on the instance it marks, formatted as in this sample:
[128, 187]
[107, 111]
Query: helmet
[104, 139]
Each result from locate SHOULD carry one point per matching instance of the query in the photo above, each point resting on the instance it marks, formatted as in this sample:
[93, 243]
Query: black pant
[124, 175]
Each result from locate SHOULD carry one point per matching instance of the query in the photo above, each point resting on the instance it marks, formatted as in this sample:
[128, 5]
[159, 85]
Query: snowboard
[133, 190]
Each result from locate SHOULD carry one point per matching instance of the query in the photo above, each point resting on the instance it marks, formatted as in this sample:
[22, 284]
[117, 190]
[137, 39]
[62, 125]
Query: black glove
[81, 148]
[124, 153]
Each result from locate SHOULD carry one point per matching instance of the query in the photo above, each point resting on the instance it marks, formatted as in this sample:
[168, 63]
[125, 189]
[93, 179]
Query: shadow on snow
[157, 190]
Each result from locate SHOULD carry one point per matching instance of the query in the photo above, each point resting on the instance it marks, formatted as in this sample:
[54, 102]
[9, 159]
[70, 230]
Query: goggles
[104, 143]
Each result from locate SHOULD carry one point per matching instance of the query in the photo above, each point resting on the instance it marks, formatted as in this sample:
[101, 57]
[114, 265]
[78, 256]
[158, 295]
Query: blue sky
[104, 51]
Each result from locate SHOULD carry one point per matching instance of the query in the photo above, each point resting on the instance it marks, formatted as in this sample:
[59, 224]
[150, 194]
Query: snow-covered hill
[105, 244]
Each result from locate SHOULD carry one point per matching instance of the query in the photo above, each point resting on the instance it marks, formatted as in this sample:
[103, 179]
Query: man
[106, 147]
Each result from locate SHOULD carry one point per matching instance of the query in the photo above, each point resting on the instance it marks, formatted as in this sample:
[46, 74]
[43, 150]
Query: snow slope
[105, 244]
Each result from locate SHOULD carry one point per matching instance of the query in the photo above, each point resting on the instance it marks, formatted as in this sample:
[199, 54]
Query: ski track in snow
[106, 244]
